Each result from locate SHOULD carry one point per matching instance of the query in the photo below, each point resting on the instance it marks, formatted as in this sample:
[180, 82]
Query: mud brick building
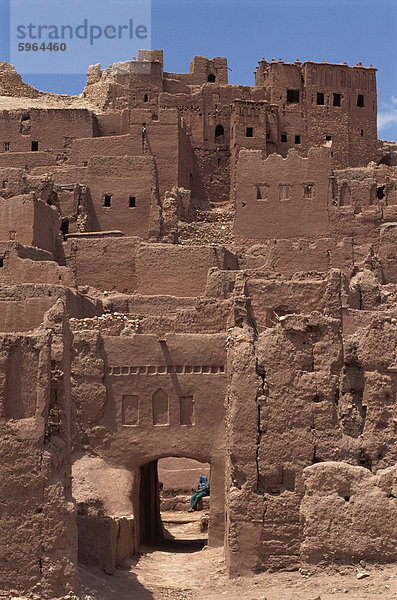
[195, 269]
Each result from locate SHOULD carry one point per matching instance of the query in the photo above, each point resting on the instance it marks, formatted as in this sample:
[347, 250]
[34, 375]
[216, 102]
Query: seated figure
[203, 489]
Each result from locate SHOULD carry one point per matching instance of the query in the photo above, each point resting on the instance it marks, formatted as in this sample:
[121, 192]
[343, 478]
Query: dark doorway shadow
[164, 519]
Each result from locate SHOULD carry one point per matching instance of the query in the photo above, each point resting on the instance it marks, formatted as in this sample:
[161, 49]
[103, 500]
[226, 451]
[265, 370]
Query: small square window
[132, 202]
[249, 132]
[107, 200]
[292, 95]
[360, 100]
[328, 138]
[320, 98]
[35, 146]
[336, 99]
[297, 139]
[283, 137]
[6, 146]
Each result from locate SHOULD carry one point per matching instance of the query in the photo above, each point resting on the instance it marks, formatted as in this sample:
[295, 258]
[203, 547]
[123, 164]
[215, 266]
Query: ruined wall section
[23, 306]
[21, 264]
[39, 534]
[310, 397]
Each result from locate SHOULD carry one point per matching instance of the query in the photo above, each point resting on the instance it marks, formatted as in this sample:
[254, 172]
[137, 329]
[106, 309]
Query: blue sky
[246, 30]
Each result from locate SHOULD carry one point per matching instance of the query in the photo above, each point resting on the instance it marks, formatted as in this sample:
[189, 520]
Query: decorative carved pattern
[166, 370]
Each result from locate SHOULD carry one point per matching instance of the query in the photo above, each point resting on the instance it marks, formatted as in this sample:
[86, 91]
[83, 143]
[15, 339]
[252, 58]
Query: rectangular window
[35, 146]
[292, 95]
[1, 262]
[6, 146]
[297, 139]
[328, 138]
[132, 202]
[320, 98]
[283, 137]
[5, 183]
[336, 99]
[268, 136]
[308, 190]
[362, 132]
[107, 200]
[146, 98]
[130, 411]
[187, 416]
[249, 132]
[360, 100]
[261, 191]
[284, 191]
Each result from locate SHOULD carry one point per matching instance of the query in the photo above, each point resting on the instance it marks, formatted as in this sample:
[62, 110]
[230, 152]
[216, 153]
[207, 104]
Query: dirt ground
[184, 568]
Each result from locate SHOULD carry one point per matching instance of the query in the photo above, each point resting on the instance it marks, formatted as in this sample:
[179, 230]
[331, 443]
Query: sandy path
[181, 572]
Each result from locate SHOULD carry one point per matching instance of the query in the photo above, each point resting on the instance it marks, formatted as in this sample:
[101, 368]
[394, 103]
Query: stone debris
[362, 574]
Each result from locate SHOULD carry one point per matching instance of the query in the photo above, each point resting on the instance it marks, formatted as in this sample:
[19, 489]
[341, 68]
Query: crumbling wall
[38, 522]
[305, 396]
[339, 495]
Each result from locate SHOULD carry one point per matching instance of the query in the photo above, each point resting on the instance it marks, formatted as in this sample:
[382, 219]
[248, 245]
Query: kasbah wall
[195, 269]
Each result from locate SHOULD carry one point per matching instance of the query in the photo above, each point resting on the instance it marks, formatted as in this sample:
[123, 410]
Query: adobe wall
[127, 265]
[136, 386]
[160, 135]
[23, 306]
[350, 126]
[337, 494]
[160, 138]
[176, 270]
[16, 181]
[271, 357]
[286, 257]
[336, 412]
[22, 264]
[53, 129]
[106, 263]
[122, 178]
[27, 160]
[30, 221]
[282, 197]
[39, 534]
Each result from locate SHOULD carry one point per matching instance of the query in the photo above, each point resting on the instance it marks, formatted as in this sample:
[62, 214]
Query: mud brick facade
[193, 269]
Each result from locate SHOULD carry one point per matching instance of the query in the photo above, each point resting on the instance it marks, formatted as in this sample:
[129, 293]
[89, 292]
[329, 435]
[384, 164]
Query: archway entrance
[166, 486]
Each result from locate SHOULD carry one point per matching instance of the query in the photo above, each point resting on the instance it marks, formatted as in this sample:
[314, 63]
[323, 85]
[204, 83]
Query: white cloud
[387, 116]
